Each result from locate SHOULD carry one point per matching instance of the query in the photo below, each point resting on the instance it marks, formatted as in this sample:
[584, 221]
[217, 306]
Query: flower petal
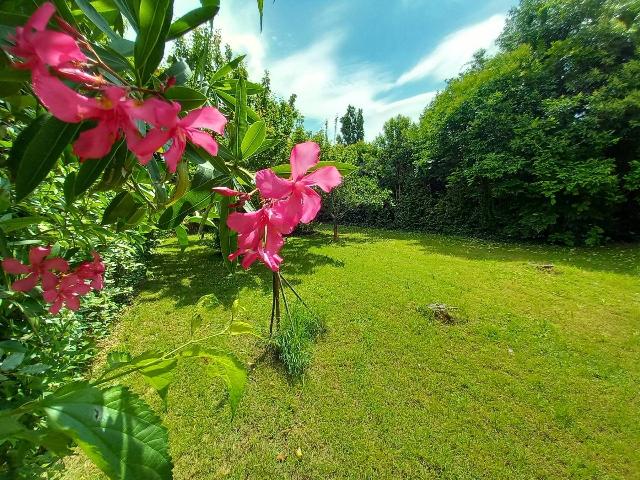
[14, 267]
[56, 48]
[303, 157]
[326, 178]
[174, 154]
[95, 143]
[25, 284]
[49, 281]
[204, 140]
[56, 263]
[311, 204]
[227, 192]
[205, 117]
[40, 18]
[38, 254]
[245, 222]
[62, 101]
[272, 186]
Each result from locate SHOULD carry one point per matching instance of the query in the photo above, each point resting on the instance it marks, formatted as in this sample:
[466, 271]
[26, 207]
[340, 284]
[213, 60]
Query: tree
[396, 154]
[352, 126]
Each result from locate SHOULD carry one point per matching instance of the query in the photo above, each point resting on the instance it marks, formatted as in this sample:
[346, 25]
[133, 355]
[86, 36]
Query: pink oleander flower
[61, 100]
[260, 236]
[39, 47]
[115, 114]
[66, 292]
[171, 127]
[303, 203]
[40, 268]
[92, 271]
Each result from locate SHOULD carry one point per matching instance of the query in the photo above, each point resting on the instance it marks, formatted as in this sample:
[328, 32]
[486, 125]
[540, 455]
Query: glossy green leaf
[193, 19]
[183, 237]
[231, 102]
[159, 373]
[124, 206]
[253, 139]
[130, 10]
[198, 197]
[188, 98]
[154, 21]
[90, 170]
[243, 328]
[225, 366]
[116, 429]
[98, 20]
[227, 68]
[21, 143]
[14, 224]
[261, 11]
[180, 70]
[42, 153]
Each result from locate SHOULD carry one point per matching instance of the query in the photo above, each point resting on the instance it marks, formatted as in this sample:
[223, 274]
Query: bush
[293, 340]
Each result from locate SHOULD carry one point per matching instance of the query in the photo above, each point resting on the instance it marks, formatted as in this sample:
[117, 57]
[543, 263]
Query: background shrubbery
[540, 141]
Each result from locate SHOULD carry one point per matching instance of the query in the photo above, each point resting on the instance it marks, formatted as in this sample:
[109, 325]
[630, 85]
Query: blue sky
[386, 57]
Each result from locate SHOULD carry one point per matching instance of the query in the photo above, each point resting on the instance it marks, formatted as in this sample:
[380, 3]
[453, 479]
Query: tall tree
[352, 126]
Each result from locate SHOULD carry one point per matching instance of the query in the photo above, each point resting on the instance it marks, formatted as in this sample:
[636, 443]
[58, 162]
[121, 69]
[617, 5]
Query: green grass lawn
[540, 380]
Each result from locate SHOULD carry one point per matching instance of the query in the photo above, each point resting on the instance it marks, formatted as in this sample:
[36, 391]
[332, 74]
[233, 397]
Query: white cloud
[448, 58]
[325, 89]
[317, 74]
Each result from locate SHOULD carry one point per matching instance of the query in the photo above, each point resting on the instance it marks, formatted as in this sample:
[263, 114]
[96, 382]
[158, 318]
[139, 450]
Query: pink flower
[259, 236]
[169, 126]
[40, 268]
[303, 203]
[115, 114]
[66, 292]
[62, 101]
[92, 271]
[40, 47]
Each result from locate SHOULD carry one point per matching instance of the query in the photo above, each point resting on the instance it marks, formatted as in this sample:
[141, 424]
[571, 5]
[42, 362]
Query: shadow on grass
[615, 258]
[199, 271]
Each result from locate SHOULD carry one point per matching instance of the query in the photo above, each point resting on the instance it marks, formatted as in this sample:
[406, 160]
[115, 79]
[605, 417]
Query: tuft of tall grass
[292, 342]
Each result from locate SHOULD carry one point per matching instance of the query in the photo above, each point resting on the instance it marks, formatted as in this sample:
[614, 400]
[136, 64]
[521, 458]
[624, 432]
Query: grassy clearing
[540, 380]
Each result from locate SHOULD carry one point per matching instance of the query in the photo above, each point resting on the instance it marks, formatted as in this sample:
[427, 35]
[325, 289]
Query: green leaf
[130, 11]
[21, 143]
[42, 153]
[180, 70]
[199, 220]
[159, 375]
[114, 428]
[188, 98]
[154, 20]
[69, 181]
[193, 19]
[198, 197]
[98, 20]
[226, 366]
[124, 206]
[183, 237]
[90, 170]
[261, 10]
[227, 68]
[231, 101]
[12, 361]
[240, 118]
[253, 139]
[284, 170]
[243, 328]
[13, 224]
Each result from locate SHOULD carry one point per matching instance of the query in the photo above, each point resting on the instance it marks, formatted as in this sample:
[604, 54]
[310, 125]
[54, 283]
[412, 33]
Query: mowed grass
[540, 380]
